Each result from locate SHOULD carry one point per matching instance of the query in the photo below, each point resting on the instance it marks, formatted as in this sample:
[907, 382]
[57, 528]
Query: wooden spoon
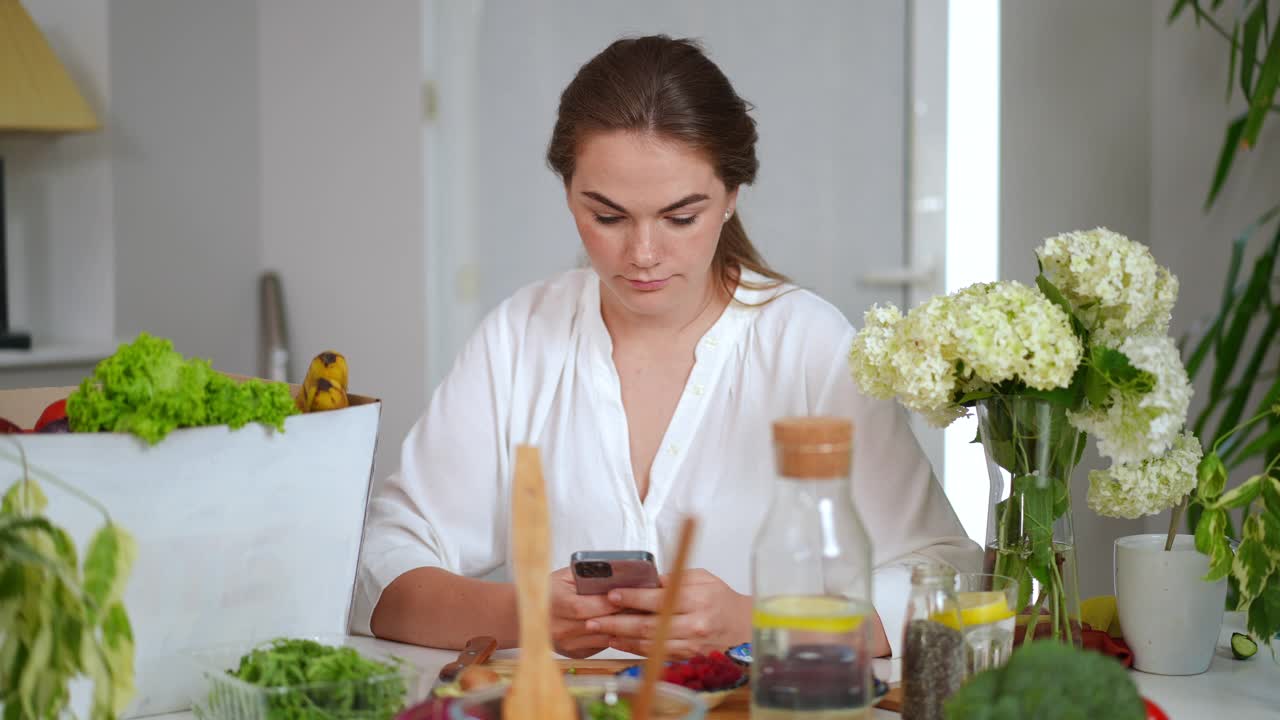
[658, 654]
[537, 691]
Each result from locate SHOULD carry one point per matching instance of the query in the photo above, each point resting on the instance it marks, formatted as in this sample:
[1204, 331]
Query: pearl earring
[728, 214]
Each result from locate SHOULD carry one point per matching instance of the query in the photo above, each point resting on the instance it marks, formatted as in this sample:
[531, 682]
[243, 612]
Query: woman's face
[649, 211]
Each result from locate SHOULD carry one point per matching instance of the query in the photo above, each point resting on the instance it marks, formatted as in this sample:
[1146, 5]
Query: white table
[1230, 690]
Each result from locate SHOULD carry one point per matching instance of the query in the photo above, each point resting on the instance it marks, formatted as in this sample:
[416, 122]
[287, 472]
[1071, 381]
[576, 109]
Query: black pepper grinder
[933, 656]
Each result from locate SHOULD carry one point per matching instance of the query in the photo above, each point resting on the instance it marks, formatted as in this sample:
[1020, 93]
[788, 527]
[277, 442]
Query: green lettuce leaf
[149, 389]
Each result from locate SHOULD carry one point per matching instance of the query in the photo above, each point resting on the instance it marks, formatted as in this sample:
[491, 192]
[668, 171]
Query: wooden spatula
[658, 652]
[537, 691]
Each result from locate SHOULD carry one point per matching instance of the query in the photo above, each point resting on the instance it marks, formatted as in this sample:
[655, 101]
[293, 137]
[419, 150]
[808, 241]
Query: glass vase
[1031, 451]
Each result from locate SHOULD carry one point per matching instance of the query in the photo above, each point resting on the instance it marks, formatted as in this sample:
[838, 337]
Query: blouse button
[712, 342]
[673, 449]
[698, 389]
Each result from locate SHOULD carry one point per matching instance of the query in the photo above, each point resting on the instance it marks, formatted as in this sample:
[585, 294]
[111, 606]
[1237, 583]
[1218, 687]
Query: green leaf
[1242, 494]
[969, 398]
[1264, 92]
[10, 581]
[1062, 397]
[1037, 506]
[1176, 10]
[1231, 71]
[35, 666]
[1258, 445]
[24, 498]
[1271, 496]
[117, 643]
[1264, 611]
[1055, 296]
[1252, 562]
[106, 565]
[1245, 310]
[1209, 530]
[1211, 477]
[1235, 408]
[1220, 562]
[1249, 49]
[1270, 537]
[1214, 337]
[1109, 368]
[1226, 157]
[1096, 387]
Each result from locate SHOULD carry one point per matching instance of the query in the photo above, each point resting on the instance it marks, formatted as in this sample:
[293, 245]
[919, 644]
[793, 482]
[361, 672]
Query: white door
[829, 81]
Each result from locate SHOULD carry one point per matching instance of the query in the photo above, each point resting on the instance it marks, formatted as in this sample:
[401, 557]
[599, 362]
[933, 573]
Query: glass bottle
[933, 648]
[811, 582]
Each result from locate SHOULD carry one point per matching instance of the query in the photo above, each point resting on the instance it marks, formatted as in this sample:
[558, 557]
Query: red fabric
[1102, 642]
[1096, 640]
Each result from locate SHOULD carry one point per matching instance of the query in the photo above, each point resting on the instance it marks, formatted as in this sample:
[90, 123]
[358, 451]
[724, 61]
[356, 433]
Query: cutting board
[736, 707]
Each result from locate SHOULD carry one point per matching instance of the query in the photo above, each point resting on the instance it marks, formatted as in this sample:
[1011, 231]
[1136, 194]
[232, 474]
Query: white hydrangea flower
[1113, 281]
[1008, 331]
[1136, 427]
[873, 348]
[924, 366]
[978, 337]
[1151, 486]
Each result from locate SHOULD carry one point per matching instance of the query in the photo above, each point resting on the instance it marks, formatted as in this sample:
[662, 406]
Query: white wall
[1075, 90]
[187, 188]
[59, 194]
[340, 132]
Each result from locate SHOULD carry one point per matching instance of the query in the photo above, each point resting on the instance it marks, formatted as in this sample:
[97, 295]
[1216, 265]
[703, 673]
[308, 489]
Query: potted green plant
[61, 616]
[1240, 423]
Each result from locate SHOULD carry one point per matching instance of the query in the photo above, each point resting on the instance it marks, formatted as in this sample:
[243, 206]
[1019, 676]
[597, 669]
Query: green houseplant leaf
[56, 624]
[1226, 157]
[1264, 92]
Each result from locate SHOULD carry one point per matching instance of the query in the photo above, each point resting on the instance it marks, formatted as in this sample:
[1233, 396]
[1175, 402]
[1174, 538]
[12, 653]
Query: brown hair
[668, 87]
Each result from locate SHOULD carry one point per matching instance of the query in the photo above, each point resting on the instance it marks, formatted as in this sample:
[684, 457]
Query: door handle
[922, 274]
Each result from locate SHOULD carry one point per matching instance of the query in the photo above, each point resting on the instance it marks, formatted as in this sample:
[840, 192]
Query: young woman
[649, 382]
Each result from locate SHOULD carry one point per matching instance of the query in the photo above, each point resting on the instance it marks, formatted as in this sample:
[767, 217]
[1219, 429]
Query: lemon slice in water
[977, 608]
[810, 613]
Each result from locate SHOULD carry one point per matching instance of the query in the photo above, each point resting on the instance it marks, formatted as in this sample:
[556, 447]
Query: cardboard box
[242, 535]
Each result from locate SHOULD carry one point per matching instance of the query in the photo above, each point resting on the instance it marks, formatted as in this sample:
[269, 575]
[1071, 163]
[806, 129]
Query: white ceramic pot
[1170, 616]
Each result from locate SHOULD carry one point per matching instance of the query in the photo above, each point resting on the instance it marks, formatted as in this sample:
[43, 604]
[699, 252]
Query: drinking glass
[987, 610]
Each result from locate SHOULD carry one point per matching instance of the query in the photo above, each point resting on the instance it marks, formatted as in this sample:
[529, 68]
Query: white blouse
[539, 370]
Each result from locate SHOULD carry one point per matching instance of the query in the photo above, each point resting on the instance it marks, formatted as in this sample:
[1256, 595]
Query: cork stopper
[813, 447]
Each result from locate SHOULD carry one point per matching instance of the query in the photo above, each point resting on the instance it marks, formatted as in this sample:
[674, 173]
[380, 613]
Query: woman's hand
[570, 613]
[708, 616]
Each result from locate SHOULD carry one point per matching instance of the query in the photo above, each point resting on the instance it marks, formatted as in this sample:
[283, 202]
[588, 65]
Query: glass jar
[811, 582]
[933, 647]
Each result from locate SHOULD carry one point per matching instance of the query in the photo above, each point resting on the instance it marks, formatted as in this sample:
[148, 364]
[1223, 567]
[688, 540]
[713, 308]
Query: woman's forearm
[435, 608]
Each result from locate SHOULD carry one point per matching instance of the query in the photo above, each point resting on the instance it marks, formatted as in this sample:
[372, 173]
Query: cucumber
[1242, 646]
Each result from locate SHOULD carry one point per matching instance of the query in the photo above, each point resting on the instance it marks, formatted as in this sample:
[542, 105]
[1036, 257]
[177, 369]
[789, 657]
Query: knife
[476, 652]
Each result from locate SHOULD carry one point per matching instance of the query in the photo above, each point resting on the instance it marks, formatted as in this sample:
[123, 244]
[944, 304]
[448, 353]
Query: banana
[331, 366]
[326, 395]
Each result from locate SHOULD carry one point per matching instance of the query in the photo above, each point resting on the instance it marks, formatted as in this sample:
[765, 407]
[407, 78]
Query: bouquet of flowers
[1084, 352]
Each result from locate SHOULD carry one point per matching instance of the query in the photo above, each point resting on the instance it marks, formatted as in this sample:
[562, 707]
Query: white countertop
[57, 354]
[1231, 689]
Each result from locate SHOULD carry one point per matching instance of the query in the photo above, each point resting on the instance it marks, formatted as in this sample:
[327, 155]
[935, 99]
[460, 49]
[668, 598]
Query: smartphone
[598, 572]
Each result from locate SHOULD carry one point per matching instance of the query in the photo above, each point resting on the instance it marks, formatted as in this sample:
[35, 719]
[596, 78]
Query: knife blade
[475, 652]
